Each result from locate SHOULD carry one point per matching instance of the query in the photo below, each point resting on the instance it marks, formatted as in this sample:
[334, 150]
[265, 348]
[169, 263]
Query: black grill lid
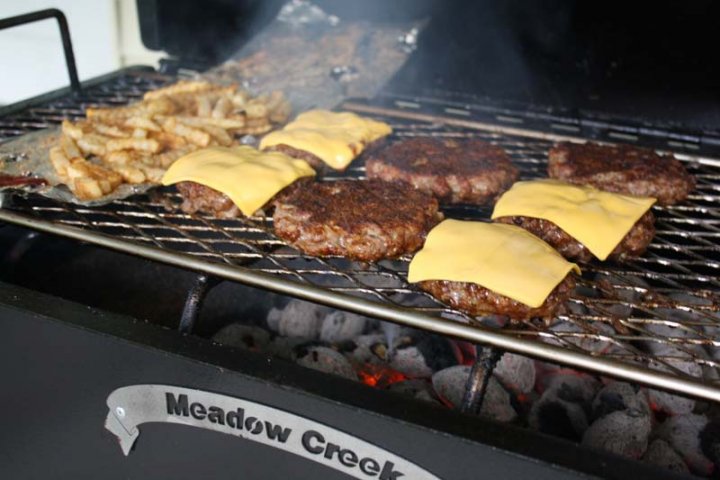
[649, 62]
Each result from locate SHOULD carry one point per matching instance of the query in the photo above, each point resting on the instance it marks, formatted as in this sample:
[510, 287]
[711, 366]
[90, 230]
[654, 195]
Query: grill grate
[658, 312]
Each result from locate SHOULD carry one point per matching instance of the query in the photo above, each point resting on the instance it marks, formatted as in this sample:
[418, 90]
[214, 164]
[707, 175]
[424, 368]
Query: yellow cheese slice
[503, 258]
[329, 135]
[249, 177]
[599, 220]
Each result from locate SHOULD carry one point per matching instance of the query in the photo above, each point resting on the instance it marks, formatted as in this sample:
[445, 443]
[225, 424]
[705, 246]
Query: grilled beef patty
[199, 198]
[362, 220]
[310, 158]
[621, 169]
[632, 245]
[454, 170]
[476, 300]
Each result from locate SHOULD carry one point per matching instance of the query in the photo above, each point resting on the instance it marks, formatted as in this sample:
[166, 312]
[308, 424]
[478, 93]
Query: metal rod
[64, 35]
[472, 333]
[480, 374]
[194, 301]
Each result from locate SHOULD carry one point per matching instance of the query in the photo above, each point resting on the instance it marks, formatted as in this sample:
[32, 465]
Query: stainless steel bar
[472, 333]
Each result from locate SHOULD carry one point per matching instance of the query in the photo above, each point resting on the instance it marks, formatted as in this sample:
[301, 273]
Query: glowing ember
[379, 376]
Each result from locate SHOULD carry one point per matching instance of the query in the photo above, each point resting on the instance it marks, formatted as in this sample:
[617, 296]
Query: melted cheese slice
[599, 220]
[335, 138]
[503, 258]
[249, 177]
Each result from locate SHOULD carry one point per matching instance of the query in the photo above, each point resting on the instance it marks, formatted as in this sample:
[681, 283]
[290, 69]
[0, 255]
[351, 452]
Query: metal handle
[64, 34]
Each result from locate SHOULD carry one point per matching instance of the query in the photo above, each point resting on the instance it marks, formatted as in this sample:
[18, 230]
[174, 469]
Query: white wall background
[105, 36]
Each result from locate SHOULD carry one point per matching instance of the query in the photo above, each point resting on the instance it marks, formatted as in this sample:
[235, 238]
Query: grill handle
[64, 34]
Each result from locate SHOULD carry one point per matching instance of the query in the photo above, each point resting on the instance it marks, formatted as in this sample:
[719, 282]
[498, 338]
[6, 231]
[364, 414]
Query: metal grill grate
[658, 312]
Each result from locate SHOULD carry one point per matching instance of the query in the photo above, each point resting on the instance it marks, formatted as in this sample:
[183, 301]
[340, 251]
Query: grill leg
[480, 374]
[194, 301]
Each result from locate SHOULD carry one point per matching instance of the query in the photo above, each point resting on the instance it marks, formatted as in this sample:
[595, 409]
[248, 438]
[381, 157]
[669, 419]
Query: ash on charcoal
[682, 432]
[421, 354]
[571, 386]
[563, 407]
[287, 347]
[661, 454]
[339, 326]
[666, 402]
[419, 389]
[623, 432]
[366, 349]
[243, 336]
[516, 373]
[619, 396]
[449, 385]
[326, 360]
[298, 319]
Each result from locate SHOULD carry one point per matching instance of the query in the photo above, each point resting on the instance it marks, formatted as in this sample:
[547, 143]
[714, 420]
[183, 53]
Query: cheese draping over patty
[503, 258]
[247, 176]
[336, 138]
[597, 219]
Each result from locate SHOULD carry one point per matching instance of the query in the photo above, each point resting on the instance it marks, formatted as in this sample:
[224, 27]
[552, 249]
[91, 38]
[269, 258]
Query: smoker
[111, 316]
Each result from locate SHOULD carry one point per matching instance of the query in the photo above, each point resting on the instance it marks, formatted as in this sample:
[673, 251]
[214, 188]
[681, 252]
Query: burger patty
[476, 300]
[621, 169]
[310, 158]
[632, 245]
[362, 220]
[199, 198]
[454, 170]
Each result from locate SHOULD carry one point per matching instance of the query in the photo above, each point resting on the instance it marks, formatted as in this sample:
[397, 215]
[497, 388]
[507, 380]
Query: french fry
[168, 158]
[86, 188]
[256, 110]
[240, 99]
[220, 134]
[59, 161]
[72, 130]
[152, 174]
[69, 148]
[169, 141]
[143, 144]
[136, 143]
[234, 123]
[139, 133]
[193, 135]
[204, 106]
[92, 144]
[108, 130]
[144, 123]
[183, 86]
[221, 109]
[129, 173]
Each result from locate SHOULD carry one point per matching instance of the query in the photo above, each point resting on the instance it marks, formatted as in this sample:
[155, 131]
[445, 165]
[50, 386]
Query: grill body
[62, 359]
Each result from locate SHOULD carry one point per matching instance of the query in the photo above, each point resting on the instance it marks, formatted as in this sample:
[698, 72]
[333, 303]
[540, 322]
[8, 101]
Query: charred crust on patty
[454, 170]
[477, 300]
[361, 220]
[633, 244]
[621, 169]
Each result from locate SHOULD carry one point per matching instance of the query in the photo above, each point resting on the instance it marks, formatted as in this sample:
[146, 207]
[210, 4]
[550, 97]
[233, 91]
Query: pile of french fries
[137, 143]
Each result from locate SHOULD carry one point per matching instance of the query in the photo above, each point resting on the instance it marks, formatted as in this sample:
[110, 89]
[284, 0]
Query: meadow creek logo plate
[134, 405]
